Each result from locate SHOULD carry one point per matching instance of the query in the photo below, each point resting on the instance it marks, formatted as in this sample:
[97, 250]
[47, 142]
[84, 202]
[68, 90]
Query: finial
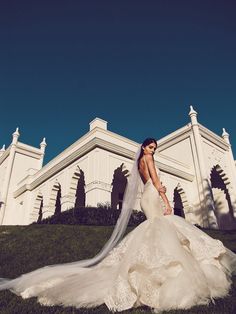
[225, 136]
[15, 136]
[3, 148]
[193, 116]
[43, 145]
[43, 142]
[225, 133]
[192, 111]
[16, 132]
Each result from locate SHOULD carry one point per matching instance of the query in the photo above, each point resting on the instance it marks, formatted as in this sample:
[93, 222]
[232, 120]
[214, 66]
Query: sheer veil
[128, 204]
[50, 271]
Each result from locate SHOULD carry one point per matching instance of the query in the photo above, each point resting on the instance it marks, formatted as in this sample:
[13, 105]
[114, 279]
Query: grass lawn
[25, 248]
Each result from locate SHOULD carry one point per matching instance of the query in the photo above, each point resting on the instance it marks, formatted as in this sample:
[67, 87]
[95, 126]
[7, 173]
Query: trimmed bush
[94, 216]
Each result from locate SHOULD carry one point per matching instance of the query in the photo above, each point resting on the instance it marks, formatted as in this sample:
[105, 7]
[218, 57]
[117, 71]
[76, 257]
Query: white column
[230, 156]
[231, 187]
[67, 196]
[43, 145]
[28, 206]
[46, 192]
[2, 150]
[10, 162]
[98, 192]
[67, 202]
[205, 195]
[98, 187]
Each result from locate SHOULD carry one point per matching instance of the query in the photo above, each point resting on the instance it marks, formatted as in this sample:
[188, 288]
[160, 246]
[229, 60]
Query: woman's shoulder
[148, 158]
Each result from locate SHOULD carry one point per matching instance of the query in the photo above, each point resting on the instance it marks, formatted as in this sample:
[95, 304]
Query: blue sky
[137, 64]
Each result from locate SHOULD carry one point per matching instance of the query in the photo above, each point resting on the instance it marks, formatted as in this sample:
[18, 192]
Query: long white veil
[46, 272]
[128, 204]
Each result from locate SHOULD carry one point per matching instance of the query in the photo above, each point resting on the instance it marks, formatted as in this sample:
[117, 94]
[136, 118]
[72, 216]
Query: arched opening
[178, 204]
[77, 188]
[1, 201]
[222, 202]
[37, 213]
[58, 201]
[55, 199]
[80, 190]
[40, 215]
[181, 205]
[118, 186]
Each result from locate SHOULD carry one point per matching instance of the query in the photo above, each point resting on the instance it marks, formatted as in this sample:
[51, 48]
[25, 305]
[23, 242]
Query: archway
[77, 188]
[55, 199]
[37, 213]
[80, 191]
[222, 202]
[181, 205]
[118, 186]
[178, 205]
[40, 216]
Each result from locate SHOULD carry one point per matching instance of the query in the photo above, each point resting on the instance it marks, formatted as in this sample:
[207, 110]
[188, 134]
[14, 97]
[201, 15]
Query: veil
[47, 272]
[128, 204]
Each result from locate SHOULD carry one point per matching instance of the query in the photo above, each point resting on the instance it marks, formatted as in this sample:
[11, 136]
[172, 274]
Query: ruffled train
[165, 263]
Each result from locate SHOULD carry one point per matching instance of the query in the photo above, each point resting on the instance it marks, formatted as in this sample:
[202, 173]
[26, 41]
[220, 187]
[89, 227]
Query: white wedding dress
[165, 263]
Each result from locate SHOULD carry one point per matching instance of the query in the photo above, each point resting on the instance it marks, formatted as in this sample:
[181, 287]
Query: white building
[197, 167]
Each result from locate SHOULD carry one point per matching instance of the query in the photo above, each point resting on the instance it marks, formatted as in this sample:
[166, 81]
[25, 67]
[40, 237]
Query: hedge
[95, 216]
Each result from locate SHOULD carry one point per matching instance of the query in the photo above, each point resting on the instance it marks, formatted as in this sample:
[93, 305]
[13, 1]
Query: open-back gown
[165, 263]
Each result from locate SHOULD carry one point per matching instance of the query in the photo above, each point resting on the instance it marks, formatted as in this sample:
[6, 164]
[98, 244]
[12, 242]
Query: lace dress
[165, 263]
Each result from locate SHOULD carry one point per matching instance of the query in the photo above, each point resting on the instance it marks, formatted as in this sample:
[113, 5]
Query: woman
[148, 171]
[165, 262]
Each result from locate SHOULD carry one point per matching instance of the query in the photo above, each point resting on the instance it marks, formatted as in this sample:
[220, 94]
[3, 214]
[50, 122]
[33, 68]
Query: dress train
[165, 263]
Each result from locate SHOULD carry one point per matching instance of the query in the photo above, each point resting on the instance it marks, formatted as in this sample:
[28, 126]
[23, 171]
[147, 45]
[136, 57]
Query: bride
[165, 262]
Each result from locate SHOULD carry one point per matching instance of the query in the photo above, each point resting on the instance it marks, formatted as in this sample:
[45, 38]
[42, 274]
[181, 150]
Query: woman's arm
[157, 183]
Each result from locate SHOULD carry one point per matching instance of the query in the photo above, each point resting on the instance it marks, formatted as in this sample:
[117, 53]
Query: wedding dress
[164, 263]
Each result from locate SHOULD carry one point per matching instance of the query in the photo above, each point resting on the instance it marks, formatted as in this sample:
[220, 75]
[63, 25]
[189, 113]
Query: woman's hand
[162, 189]
[168, 210]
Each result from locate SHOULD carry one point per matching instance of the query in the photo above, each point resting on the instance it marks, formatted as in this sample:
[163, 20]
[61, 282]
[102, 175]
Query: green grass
[25, 248]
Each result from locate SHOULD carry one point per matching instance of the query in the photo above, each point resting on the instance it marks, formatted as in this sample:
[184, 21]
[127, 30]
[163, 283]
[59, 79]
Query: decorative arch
[1, 202]
[181, 205]
[223, 209]
[118, 186]
[221, 173]
[55, 198]
[37, 213]
[77, 187]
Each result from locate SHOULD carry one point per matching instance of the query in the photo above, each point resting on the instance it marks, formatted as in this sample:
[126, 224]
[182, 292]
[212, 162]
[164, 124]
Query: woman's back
[143, 170]
[150, 201]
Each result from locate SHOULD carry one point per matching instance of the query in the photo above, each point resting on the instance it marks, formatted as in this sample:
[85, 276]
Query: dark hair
[146, 142]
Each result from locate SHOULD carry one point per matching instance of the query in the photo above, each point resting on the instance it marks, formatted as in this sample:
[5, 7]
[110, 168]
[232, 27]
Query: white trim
[214, 138]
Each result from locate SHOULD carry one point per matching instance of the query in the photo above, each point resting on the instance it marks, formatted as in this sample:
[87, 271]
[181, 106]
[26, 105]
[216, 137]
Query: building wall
[182, 148]
[23, 166]
[3, 167]
[100, 163]
[221, 179]
[181, 152]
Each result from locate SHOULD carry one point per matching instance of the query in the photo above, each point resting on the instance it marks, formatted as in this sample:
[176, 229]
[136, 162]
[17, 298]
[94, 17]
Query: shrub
[96, 216]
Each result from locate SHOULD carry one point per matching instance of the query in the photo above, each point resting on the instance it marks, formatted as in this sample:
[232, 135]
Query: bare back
[143, 170]
[147, 170]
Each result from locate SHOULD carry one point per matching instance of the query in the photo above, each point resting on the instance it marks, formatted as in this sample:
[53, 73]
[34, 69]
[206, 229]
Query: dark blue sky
[137, 64]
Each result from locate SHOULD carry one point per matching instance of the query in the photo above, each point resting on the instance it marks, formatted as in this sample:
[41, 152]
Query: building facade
[197, 167]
